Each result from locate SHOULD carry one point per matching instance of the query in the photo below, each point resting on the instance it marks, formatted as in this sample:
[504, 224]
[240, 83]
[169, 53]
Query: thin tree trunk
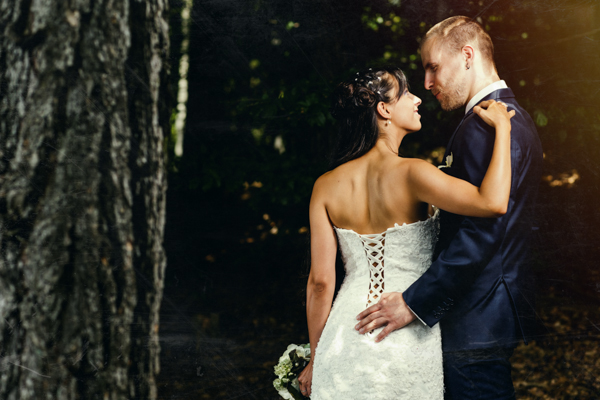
[82, 197]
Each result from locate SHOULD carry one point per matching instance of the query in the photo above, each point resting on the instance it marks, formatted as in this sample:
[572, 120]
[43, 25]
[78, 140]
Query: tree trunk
[82, 197]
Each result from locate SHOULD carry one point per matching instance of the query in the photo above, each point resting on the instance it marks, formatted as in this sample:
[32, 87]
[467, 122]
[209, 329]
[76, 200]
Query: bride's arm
[460, 197]
[321, 280]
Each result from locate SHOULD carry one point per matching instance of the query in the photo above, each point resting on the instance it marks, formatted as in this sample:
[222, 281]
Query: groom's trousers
[478, 374]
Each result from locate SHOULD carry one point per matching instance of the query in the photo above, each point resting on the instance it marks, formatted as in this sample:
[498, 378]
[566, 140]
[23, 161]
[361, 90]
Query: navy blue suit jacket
[479, 286]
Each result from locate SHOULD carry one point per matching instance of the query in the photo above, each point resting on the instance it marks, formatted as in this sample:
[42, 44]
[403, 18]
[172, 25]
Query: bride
[376, 207]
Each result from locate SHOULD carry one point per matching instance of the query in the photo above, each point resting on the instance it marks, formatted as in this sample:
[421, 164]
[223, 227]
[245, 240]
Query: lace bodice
[408, 363]
[401, 253]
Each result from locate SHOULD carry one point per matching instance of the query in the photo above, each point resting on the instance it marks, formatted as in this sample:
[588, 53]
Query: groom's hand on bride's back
[391, 311]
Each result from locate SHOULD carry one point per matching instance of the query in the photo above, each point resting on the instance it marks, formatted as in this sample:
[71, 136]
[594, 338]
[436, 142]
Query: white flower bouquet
[291, 363]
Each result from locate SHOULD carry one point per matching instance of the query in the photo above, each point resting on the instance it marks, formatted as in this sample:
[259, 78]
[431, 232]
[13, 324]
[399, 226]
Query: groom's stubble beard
[453, 94]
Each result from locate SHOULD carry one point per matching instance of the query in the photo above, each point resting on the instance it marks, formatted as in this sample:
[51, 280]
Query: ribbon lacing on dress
[374, 250]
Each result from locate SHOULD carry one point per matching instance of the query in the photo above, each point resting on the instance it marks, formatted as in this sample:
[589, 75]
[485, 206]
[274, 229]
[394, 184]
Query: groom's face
[445, 75]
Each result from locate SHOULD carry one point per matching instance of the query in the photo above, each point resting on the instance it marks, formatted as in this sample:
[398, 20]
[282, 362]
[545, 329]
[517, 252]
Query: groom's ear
[468, 53]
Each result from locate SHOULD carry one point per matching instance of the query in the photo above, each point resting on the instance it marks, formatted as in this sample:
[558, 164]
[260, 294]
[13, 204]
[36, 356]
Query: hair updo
[354, 106]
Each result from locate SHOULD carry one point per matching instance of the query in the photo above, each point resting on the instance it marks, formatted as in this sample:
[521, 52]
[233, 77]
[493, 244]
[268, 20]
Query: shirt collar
[484, 92]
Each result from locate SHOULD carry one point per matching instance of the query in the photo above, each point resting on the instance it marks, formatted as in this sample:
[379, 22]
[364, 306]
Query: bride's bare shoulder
[414, 164]
[332, 181]
[326, 180]
[322, 184]
[402, 166]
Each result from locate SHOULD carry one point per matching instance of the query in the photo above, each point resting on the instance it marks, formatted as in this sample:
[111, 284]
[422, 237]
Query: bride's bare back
[372, 193]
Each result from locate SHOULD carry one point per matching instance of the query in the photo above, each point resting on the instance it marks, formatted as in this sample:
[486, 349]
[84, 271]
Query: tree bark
[82, 196]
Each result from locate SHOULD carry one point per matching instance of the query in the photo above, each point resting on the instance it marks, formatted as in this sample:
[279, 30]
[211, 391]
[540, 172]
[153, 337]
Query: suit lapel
[449, 146]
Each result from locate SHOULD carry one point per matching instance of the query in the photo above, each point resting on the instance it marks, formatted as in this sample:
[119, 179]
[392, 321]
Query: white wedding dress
[407, 364]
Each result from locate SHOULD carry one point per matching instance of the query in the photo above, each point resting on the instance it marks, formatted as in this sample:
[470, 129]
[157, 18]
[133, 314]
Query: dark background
[258, 133]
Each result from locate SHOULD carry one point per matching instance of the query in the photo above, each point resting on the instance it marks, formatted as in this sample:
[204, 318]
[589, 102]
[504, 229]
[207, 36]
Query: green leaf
[320, 119]
[540, 119]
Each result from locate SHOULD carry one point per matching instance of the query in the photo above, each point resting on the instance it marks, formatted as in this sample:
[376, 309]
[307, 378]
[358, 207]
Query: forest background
[251, 131]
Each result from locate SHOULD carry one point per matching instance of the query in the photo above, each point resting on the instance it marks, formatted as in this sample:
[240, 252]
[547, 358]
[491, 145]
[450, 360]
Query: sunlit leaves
[291, 24]
[257, 133]
[376, 21]
[254, 64]
[254, 81]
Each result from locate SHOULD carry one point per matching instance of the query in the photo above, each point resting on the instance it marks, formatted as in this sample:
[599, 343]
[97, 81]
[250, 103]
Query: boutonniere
[448, 164]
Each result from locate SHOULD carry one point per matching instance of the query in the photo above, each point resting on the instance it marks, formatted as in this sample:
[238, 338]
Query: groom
[479, 287]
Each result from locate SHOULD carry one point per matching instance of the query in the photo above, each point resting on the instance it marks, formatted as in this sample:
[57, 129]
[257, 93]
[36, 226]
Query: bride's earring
[387, 122]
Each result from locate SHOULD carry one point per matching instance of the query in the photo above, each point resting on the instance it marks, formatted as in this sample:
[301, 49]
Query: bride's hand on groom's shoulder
[391, 311]
[494, 112]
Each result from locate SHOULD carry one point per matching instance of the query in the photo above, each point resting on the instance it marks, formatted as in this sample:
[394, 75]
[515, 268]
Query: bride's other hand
[305, 379]
[494, 113]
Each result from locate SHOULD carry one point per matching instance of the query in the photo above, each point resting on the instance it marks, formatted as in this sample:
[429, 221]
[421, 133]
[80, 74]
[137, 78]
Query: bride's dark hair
[354, 106]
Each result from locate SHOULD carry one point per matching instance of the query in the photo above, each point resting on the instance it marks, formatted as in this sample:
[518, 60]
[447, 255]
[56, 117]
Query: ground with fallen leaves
[231, 355]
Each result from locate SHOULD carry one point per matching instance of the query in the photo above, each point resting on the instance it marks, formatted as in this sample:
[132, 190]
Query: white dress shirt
[484, 92]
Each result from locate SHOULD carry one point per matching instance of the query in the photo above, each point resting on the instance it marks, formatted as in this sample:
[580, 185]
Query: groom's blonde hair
[455, 32]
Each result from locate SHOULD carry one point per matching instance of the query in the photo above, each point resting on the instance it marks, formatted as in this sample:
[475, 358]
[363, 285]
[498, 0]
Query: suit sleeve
[474, 242]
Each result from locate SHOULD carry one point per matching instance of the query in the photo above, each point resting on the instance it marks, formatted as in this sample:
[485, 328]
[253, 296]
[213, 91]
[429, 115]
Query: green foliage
[390, 22]
[277, 131]
[540, 119]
